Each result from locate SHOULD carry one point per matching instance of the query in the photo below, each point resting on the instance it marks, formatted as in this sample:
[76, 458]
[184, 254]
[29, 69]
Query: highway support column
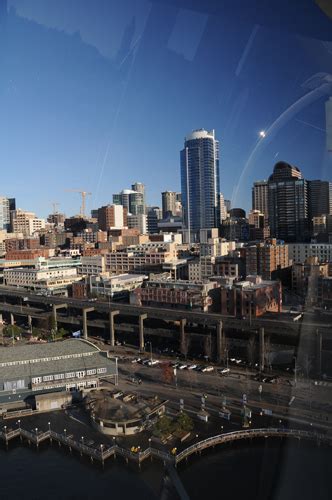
[86, 310]
[319, 353]
[55, 307]
[221, 347]
[183, 338]
[261, 349]
[141, 319]
[112, 328]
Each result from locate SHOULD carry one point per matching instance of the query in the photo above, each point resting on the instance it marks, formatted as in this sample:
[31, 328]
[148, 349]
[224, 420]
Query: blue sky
[97, 94]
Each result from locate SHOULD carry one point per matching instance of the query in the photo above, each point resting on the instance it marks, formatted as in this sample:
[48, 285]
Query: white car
[192, 367]
[182, 367]
[208, 369]
[224, 371]
[136, 360]
[153, 362]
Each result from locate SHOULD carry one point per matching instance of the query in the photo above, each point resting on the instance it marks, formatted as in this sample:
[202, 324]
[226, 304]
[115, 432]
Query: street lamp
[82, 439]
[101, 448]
[150, 442]
[65, 431]
[36, 429]
[19, 424]
[49, 425]
[5, 427]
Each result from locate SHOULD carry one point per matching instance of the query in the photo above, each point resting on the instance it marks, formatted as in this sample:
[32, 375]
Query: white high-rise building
[200, 182]
[4, 213]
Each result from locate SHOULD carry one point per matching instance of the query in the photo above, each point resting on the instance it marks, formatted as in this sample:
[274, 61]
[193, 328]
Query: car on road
[192, 367]
[182, 367]
[136, 360]
[208, 369]
[153, 362]
[224, 371]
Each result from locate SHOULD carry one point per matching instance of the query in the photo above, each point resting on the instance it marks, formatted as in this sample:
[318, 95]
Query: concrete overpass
[185, 320]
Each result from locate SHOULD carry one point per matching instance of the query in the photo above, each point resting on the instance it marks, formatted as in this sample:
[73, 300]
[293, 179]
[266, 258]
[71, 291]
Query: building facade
[55, 366]
[260, 197]
[288, 204]
[200, 182]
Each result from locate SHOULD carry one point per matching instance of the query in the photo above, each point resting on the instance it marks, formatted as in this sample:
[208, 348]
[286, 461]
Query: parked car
[224, 371]
[208, 369]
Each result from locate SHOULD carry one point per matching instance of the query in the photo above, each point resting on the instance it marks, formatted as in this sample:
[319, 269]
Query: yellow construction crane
[84, 194]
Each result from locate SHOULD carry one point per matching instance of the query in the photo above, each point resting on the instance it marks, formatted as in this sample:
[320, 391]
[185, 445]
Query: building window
[37, 380]
[47, 378]
[80, 374]
[101, 370]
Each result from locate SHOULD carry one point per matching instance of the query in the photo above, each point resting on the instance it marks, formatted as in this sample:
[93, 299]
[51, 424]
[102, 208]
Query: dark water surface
[262, 470]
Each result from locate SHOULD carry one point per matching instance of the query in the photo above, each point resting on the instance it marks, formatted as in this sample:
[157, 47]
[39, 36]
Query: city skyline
[124, 122]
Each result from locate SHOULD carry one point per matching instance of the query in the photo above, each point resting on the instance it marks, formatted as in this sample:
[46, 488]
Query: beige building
[149, 256]
[264, 258]
[26, 222]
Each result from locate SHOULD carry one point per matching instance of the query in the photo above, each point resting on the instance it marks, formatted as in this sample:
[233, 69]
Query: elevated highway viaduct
[179, 323]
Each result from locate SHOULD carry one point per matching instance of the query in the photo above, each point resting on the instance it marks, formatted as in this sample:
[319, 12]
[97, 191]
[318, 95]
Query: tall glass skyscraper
[200, 182]
[4, 213]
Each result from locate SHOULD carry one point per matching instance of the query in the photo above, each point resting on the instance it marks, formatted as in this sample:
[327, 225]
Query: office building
[133, 201]
[153, 216]
[288, 204]
[26, 222]
[265, 258]
[112, 216]
[178, 294]
[222, 207]
[300, 252]
[328, 113]
[320, 198]
[260, 197]
[251, 298]
[168, 199]
[4, 214]
[138, 221]
[200, 182]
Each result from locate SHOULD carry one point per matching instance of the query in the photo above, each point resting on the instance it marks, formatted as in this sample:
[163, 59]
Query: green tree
[12, 331]
[163, 427]
[61, 333]
[184, 422]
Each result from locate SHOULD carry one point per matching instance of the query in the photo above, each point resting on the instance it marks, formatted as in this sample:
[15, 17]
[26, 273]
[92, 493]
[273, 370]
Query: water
[259, 471]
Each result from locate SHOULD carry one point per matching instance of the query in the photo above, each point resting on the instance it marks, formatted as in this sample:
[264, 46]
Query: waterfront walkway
[103, 452]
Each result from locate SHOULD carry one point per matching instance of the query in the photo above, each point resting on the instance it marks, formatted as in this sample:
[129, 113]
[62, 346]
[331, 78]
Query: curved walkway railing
[101, 452]
[250, 434]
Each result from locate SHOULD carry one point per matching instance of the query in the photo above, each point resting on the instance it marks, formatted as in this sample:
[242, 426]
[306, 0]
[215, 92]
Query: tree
[163, 427]
[12, 331]
[184, 422]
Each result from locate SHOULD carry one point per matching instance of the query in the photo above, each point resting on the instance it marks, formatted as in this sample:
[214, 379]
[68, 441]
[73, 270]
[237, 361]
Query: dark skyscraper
[288, 203]
[200, 182]
[320, 198]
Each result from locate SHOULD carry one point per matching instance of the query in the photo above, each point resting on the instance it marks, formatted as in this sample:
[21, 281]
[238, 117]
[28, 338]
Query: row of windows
[61, 376]
[41, 360]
